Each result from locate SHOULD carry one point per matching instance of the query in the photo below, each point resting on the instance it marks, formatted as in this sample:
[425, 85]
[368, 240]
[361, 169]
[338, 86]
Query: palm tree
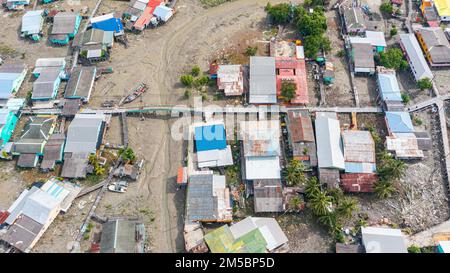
[321, 203]
[296, 203]
[295, 173]
[312, 187]
[328, 219]
[390, 168]
[347, 206]
[384, 189]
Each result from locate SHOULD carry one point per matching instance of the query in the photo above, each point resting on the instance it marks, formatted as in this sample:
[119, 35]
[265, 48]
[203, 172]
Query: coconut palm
[328, 219]
[384, 189]
[347, 206]
[295, 173]
[390, 168]
[321, 203]
[312, 187]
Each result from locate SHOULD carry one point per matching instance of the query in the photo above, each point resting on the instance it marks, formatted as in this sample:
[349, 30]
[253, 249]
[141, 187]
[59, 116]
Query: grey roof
[354, 18]
[118, 236]
[268, 195]
[71, 107]
[44, 86]
[74, 167]
[64, 23]
[53, 151]
[383, 240]
[417, 62]
[363, 55]
[27, 160]
[329, 143]
[81, 82]
[94, 36]
[22, 233]
[200, 202]
[262, 80]
[12, 68]
[436, 43]
[36, 132]
[84, 133]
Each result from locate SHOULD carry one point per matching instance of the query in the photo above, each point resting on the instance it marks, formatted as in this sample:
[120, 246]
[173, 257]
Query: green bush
[187, 80]
[195, 71]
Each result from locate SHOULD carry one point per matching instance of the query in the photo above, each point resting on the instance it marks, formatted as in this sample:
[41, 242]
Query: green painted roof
[221, 241]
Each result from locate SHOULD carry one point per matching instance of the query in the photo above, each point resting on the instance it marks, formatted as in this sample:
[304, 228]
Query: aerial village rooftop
[317, 127]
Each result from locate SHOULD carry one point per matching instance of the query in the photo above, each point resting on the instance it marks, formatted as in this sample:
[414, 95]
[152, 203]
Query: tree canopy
[314, 43]
[424, 84]
[295, 173]
[280, 14]
[314, 23]
[393, 58]
[288, 90]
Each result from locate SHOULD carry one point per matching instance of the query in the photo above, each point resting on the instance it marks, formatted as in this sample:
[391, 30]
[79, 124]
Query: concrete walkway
[425, 238]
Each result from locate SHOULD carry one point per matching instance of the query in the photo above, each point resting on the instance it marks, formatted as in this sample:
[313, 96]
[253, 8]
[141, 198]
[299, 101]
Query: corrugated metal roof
[81, 82]
[399, 122]
[32, 22]
[363, 55]
[383, 240]
[388, 86]
[83, 135]
[358, 182]
[358, 146]
[300, 127]
[329, 146]
[417, 62]
[268, 196]
[230, 78]
[118, 236]
[64, 23]
[263, 87]
[22, 233]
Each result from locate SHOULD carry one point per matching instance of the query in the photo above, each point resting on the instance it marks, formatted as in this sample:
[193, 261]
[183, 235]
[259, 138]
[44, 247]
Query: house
[399, 122]
[208, 199]
[47, 85]
[354, 21]
[107, 22]
[211, 145]
[30, 216]
[94, 36]
[53, 151]
[375, 38]
[404, 146]
[81, 83]
[230, 79]
[135, 10]
[122, 236]
[32, 23]
[84, 136]
[251, 235]
[443, 9]
[329, 143]
[435, 45]
[268, 195]
[301, 137]
[163, 13]
[90, 54]
[263, 88]
[429, 13]
[11, 78]
[65, 27]
[359, 151]
[329, 148]
[42, 64]
[383, 240]
[16, 4]
[417, 63]
[147, 16]
[363, 58]
[388, 89]
[261, 149]
[8, 121]
[31, 143]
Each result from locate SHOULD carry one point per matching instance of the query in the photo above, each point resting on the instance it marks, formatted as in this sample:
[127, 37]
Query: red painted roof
[398, 2]
[358, 182]
[292, 69]
[147, 14]
[3, 216]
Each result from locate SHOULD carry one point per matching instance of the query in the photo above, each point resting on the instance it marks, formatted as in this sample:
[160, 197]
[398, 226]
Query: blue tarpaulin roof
[210, 137]
[399, 122]
[112, 24]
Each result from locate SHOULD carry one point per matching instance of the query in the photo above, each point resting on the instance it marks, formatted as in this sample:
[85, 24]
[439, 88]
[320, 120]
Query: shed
[383, 240]
[65, 27]
[263, 89]
[163, 13]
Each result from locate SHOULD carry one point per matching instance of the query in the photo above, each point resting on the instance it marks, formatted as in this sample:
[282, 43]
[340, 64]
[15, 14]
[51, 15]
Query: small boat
[139, 90]
[120, 186]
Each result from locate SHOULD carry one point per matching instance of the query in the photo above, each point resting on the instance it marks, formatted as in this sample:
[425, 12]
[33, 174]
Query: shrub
[187, 80]
[195, 71]
[251, 51]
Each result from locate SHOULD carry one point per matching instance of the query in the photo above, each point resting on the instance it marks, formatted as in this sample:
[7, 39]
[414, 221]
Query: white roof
[39, 206]
[83, 133]
[32, 21]
[163, 12]
[376, 38]
[215, 158]
[419, 65]
[267, 167]
[101, 18]
[383, 240]
[445, 246]
[329, 145]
